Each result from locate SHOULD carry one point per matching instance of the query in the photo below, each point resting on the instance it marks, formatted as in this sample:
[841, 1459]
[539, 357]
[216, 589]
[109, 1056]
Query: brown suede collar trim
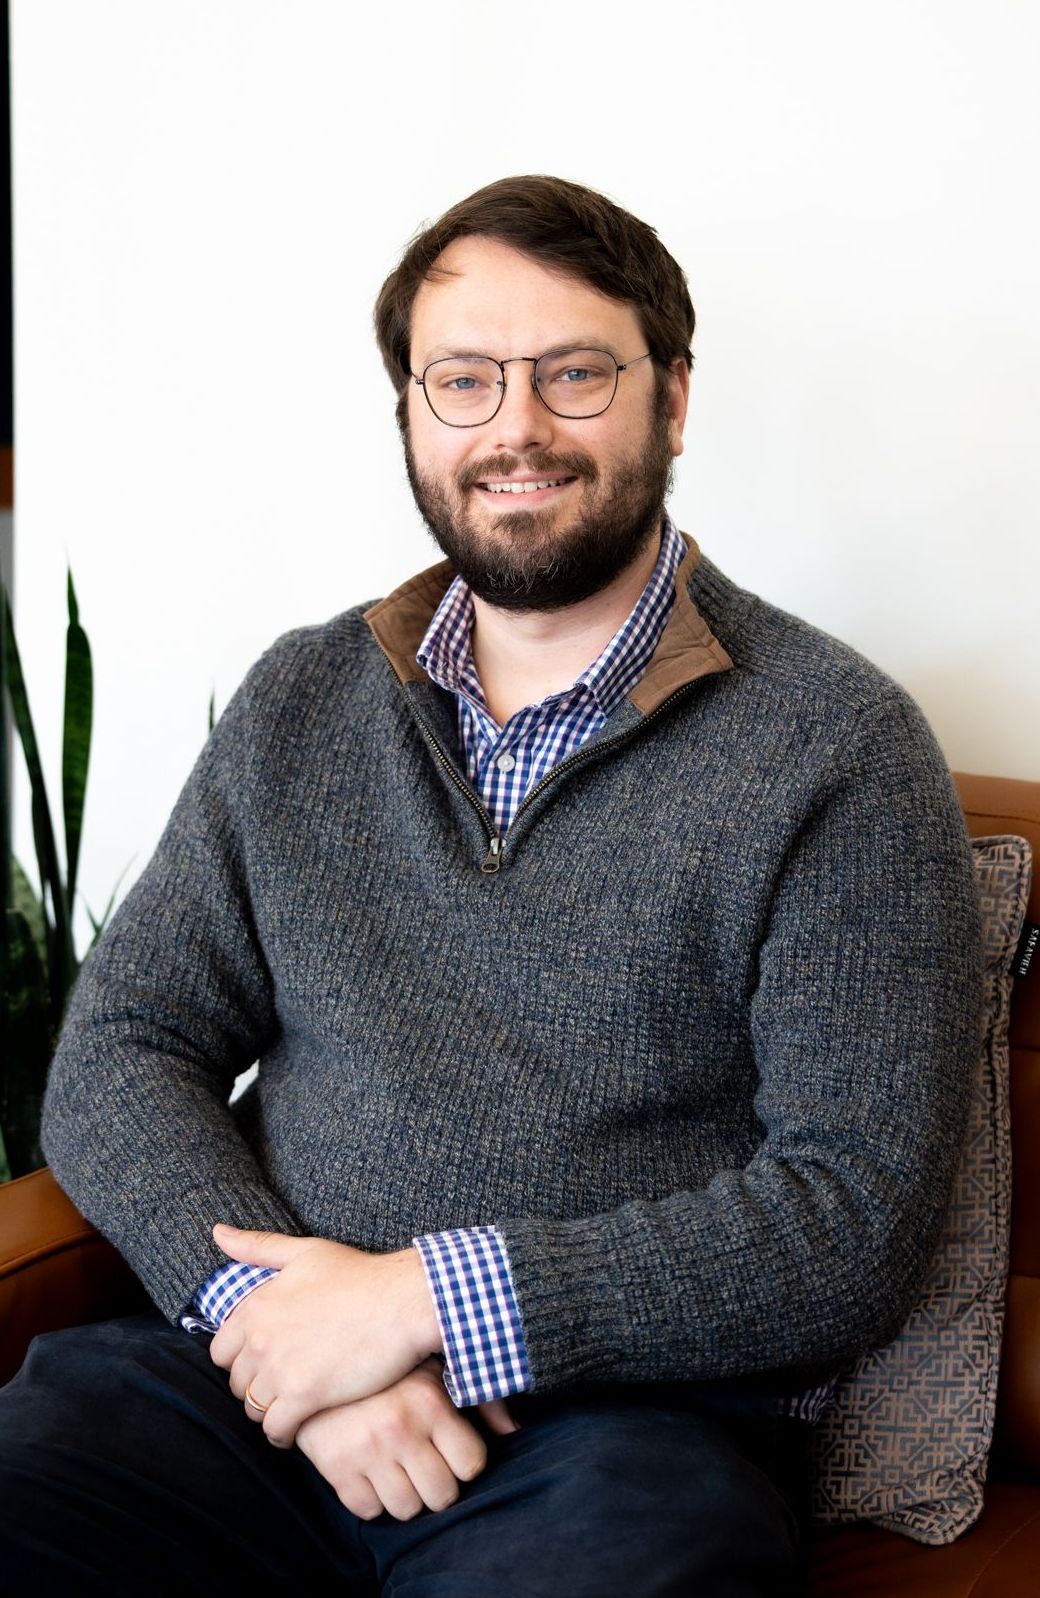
[687, 648]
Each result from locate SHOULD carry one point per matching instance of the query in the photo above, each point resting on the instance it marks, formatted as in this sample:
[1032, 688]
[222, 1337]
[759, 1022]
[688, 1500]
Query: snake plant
[38, 961]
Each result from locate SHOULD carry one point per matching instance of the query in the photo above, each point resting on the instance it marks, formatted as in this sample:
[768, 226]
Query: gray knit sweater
[700, 1046]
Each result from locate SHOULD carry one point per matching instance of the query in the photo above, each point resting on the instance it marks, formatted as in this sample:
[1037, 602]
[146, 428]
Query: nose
[521, 422]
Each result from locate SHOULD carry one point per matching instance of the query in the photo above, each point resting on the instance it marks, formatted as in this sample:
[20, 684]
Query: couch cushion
[906, 1439]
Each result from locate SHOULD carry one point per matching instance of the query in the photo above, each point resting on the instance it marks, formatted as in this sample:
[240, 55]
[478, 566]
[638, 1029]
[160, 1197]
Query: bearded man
[607, 942]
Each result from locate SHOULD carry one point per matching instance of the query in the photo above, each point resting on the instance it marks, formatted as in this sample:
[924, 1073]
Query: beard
[526, 562]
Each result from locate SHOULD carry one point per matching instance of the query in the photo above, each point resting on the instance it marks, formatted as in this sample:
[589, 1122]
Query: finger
[241, 1383]
[495, 1412]
[282, 1420]
[257, 1248]
[227, 1345]
[395, 1490]
[461, 1447]
[432, 1477]
[239, 1378]
[360, 1497]
[253, 1412]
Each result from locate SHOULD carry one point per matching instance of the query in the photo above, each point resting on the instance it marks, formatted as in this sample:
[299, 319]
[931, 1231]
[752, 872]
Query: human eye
[458, 377]
[575, 369]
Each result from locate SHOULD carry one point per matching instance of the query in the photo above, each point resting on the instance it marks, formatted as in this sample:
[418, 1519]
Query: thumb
[496, 1413]
[256, 1248]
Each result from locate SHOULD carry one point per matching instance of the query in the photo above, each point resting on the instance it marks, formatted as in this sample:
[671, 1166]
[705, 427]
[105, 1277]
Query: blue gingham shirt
[467, 1269]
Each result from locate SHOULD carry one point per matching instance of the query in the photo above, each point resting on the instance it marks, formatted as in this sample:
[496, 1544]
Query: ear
[678, 400]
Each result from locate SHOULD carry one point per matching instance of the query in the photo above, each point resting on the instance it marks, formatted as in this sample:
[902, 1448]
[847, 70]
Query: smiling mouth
[523, 490]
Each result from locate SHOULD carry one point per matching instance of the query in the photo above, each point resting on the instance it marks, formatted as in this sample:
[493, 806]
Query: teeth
[523, 488]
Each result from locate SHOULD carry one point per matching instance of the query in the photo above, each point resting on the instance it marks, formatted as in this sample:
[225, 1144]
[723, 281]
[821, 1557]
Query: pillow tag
[1027, 947]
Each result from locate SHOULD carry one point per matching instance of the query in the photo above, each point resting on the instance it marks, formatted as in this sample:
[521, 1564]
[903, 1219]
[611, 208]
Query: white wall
[208, 194]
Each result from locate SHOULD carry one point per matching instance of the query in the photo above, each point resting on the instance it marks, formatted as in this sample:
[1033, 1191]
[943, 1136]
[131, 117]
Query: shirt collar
[446, 655]
[687, 648]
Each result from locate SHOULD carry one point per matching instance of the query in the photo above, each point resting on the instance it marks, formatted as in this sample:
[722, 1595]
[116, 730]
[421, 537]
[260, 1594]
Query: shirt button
[505, 762]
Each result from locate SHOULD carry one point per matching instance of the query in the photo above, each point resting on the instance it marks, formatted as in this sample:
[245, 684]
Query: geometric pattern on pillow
[907, 1434]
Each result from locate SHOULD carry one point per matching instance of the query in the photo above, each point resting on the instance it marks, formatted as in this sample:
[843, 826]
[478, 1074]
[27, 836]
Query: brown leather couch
[56, 1270]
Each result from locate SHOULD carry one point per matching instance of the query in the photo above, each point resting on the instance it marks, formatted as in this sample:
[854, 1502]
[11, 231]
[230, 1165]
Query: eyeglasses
[467, 390]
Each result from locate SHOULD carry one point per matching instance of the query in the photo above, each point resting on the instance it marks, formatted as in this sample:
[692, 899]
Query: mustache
[580, 466]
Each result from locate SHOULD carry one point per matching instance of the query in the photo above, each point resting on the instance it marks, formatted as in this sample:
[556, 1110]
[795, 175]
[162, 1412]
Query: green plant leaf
[5, 841]
[25, 899]
[79, 702]
[27, 1048]
[99, 926]
[61, 962]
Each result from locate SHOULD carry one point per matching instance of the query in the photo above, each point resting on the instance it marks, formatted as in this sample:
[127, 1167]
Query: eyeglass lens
[467, 389]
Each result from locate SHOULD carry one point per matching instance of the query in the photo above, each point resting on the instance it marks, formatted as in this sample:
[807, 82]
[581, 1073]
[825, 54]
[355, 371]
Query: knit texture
[701, 1048]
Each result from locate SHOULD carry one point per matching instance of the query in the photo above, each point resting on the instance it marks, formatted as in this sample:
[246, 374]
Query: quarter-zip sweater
[695, 1038]
[467, 1269]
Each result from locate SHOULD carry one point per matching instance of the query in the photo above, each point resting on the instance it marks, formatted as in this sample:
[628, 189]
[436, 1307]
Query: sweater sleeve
[864, 1026]
[172, 1004]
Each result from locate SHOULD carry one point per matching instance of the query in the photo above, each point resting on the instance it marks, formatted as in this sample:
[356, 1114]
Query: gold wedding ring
[251, 1401]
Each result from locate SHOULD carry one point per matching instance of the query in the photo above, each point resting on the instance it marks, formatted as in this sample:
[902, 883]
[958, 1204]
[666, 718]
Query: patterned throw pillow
[907, 1435]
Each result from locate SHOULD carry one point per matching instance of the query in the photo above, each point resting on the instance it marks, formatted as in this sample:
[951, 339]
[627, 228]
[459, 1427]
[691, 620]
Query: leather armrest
[55, 1268]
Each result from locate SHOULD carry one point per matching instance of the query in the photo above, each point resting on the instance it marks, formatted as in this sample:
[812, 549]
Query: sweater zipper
[493, 859]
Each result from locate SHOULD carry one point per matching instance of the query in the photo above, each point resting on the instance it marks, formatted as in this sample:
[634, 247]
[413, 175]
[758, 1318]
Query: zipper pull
[494, 856]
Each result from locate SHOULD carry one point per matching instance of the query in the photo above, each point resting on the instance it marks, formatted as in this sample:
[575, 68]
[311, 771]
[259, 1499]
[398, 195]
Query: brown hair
[564, 226]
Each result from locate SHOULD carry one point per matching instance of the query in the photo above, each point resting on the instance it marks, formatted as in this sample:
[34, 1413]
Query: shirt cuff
[468, 1274]
[220, 1293]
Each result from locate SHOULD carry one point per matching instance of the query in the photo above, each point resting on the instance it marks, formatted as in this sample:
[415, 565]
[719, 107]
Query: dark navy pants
[127, 1465]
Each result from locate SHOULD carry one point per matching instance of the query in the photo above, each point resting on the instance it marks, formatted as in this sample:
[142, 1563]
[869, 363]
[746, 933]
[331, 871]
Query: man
[607, 940]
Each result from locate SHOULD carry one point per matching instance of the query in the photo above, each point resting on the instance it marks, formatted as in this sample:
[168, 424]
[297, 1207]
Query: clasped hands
[337, 1348]
[335, 1325]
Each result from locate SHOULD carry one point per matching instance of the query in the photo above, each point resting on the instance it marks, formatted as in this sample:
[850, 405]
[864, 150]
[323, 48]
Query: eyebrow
[594, 342]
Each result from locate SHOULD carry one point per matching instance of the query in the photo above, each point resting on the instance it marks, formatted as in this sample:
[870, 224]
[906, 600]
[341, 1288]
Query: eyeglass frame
[619, 367]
